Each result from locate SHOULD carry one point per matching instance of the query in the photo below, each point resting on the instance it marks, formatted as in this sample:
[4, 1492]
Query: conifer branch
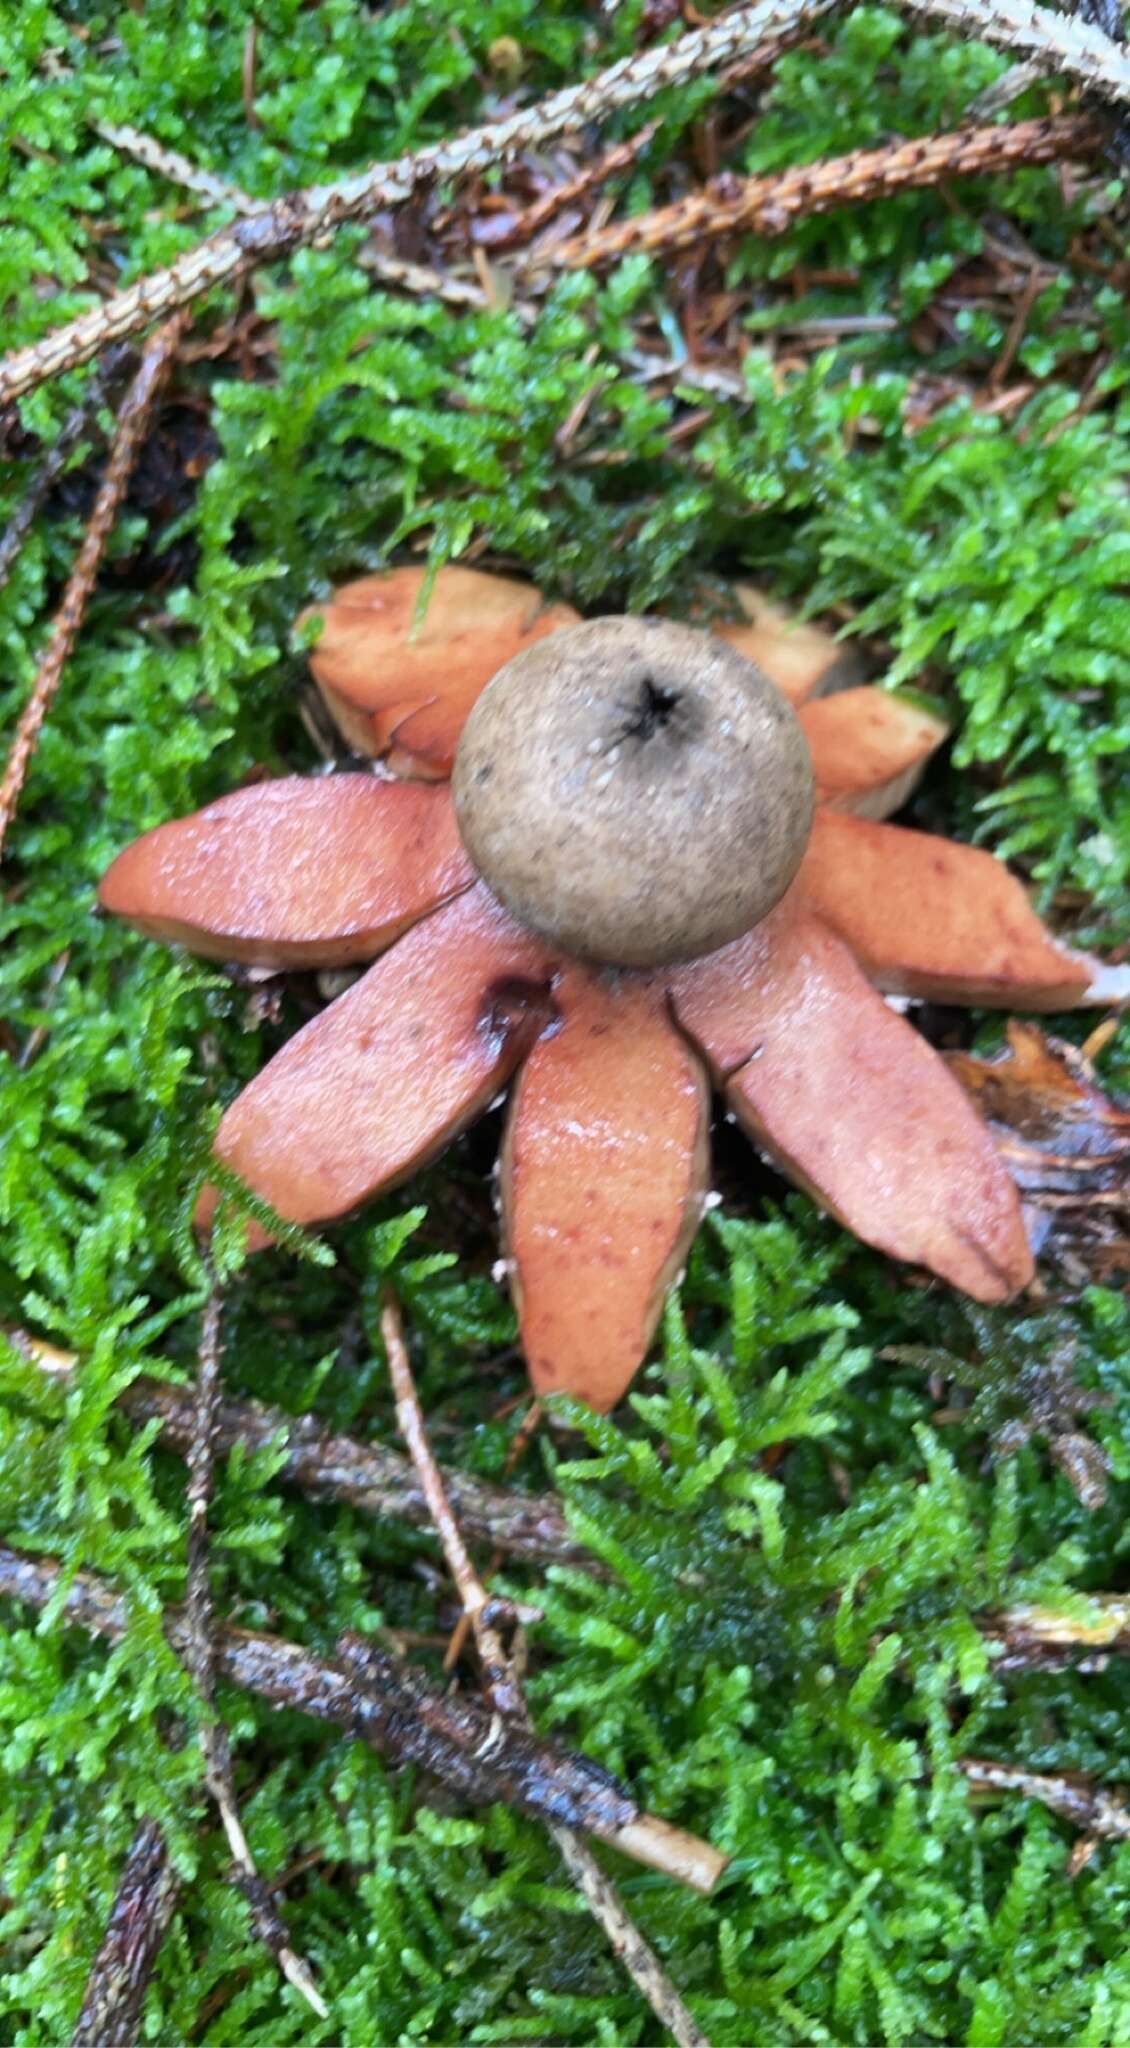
[770, 205]
[199, 1656]
[381, 1701]
[139, 1920]
[505, 1692]
[132, 426]
[299, 218]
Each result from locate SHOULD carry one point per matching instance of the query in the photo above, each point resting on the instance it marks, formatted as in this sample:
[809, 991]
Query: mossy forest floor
[802, 1535]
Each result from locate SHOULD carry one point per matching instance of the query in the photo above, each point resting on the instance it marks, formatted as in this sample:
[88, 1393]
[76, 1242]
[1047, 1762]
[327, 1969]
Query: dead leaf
[1066, 1144]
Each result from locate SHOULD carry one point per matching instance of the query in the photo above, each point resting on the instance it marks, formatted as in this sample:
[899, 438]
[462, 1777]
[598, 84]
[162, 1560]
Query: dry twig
[505, 1692]
[139, 1920]
[338, 1468]
[381, 1701]
[421, 279]
[178, 169]
[770, 205]
[1089, 1807]
[1044, 1638]
[621, 157]
[133, 421]
[200, 1624]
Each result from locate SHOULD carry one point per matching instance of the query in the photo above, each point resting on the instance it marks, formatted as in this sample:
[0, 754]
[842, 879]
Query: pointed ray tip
[1109, 985]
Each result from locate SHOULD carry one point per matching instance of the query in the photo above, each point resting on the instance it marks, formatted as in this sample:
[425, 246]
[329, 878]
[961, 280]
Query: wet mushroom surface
[658, 868]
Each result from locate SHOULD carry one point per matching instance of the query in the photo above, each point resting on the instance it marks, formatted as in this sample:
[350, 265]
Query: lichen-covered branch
[381, 1701]
[323, 1466]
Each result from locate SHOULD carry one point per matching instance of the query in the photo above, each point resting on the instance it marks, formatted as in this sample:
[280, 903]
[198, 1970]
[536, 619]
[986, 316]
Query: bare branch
[339, 1468]
[770, 205]
[1089, 1807]
[139, 1920]
[199, 1656]
[626, 1941]
[381, 1701]
[472, 1594]
[508, 1699]
[133, 421]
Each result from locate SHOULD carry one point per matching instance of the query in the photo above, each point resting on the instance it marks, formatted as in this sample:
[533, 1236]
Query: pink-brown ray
[294, 873]
[404, 688]
[603, 1181]
[852, 1104]
[389, 1073]
[932, 918]
[869, 748]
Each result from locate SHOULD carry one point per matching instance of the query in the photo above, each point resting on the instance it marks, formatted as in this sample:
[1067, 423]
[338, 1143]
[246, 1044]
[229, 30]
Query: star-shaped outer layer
[605, 1159]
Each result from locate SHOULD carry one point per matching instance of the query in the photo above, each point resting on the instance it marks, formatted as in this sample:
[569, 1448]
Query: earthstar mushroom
[613, 1001]
[635, 791]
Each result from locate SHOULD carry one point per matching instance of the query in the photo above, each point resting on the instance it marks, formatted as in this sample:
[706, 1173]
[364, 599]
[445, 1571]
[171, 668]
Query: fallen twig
[299, 218]
[621, 157]
[139, 1920]
[507, 1697]
[133, 421]
[338, 1468]
[54, 461]
[422, 280]
[199, 1656]
[770, 205]
[1036, 1638]
[472, 1594]
[1088, 1807]
[383, 1702]
[178, 169]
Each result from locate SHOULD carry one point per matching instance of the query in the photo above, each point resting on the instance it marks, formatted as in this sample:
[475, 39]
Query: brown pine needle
[132, 425]
[505, 1692]
[620, 157]
[139, 1920]
[770, 205]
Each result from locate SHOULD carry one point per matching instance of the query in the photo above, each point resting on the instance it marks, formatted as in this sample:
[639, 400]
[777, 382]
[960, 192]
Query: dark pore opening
[655, 709]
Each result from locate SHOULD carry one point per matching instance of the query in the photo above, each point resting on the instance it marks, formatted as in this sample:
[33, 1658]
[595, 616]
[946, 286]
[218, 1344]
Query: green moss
[784, 1653]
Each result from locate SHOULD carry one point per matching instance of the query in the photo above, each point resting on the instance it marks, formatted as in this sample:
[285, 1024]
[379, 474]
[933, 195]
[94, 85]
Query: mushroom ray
[603, 1180]
[388, 1075]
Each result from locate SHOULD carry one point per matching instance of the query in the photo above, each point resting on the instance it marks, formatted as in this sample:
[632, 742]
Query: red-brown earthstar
[605, 1158]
